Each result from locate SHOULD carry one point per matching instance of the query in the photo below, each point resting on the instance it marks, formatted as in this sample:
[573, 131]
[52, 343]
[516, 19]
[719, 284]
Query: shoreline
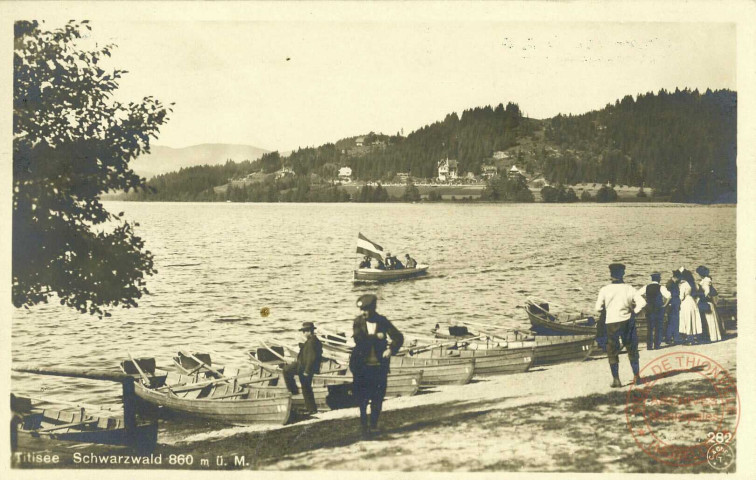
[560, 418]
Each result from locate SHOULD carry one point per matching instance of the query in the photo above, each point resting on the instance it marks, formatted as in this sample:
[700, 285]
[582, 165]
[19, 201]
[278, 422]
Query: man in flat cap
[621, 302]
[308, 364]
[657, 296]
[370, 360]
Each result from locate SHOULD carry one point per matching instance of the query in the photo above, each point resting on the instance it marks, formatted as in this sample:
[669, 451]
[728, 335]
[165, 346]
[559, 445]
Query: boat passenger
[307, 364]
[398, 265]
[365, 263]
[621, 303]
[370, 360]
[379, 265]
[409, 262]
[389, 261]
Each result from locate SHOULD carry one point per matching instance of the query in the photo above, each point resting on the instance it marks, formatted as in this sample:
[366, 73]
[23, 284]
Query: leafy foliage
[501, 189]
[606, 194]
[411, 192]
[558, 194]
[72, 142]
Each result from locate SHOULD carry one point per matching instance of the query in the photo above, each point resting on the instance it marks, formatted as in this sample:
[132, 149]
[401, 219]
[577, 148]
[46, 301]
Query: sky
[281, 85]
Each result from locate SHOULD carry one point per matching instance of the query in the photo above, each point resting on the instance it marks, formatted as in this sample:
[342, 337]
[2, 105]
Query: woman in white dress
[706, 305]
[690, 317]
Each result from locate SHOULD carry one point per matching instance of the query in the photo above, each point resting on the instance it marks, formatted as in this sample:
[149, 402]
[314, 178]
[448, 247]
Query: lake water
[219, 264]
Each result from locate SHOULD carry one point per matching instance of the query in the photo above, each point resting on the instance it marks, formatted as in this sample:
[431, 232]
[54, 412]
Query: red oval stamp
[678, 423]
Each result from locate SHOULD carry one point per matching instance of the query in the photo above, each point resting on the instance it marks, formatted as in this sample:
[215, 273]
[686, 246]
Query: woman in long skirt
[690, 317]
[706, 305]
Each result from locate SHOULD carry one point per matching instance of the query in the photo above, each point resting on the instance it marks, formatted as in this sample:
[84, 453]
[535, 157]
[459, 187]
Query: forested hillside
[682, 145]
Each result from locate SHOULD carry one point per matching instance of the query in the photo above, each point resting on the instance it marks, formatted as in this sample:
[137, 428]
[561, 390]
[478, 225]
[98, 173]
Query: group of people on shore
[690, 308]
[390, 262]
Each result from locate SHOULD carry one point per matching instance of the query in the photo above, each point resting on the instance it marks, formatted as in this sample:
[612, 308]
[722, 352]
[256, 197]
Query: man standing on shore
[657, 296]
[370, 360]
[618, 299]
[308, 364]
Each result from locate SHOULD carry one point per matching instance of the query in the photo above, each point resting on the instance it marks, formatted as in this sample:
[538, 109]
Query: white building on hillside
[345, 174]
[514, 173]
[447, 170]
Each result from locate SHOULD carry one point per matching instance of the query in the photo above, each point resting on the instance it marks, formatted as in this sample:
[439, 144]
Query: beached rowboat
[546, 349]
[376, 275]
[488, 362]
[227, 400]
[40, 425]
[435, 371]
[336, 374]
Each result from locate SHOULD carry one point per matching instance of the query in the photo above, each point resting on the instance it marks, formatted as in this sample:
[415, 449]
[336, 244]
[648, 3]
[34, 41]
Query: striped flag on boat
[366, 247]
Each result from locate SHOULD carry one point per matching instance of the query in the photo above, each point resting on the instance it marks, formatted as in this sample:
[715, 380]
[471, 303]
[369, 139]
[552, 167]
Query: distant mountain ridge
[167, 159]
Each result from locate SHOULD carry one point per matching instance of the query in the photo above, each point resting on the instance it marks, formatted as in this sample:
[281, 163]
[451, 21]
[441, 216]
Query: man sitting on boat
[307, 364]
[393, 263]
[365, 263]
[409, 262]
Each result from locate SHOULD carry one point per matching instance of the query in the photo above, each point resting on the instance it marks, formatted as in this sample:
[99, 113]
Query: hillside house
[284, 172]
[500, 155]
[345, 174]
[515, 174]
[402, 177]
[447, 170]
[489, 171]
[359, 141]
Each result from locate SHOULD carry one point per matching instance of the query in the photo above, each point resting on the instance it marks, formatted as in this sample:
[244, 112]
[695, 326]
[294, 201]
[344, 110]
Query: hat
[367, 301]
[703, 271]
[656, 276]
[617, 270]
[406, 255]
[307, 326]
[676, 273]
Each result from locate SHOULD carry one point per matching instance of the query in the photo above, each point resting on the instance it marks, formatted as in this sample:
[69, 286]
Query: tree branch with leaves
[72, 142]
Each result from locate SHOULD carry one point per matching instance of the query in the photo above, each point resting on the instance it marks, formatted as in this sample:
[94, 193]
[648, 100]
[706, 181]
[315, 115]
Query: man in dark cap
[409, 262]
[657, 296]
[370, 360]
[621, 302]
[308, 364]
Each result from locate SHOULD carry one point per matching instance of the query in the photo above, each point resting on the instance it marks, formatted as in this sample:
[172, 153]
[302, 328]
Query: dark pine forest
[681, 144]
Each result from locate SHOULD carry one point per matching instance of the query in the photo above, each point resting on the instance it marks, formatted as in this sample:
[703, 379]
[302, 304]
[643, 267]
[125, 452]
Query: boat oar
[492, 327]
[202, 364]
[549, 315]
[187, 387]
[145, 379]
[88, 406]
[273, 351]
[263, 365]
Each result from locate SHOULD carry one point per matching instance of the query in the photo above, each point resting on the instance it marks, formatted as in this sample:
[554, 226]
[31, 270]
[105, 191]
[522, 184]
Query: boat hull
[436, 371]
[500, 361]
[260, 406]
[375, 275]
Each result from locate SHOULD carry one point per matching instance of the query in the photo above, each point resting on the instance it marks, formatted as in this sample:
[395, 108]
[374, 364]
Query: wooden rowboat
[334, 374]
[435, 371]
[546, 349]
[40, 426]
[488, 361]
[376, 275]
[237, 400]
